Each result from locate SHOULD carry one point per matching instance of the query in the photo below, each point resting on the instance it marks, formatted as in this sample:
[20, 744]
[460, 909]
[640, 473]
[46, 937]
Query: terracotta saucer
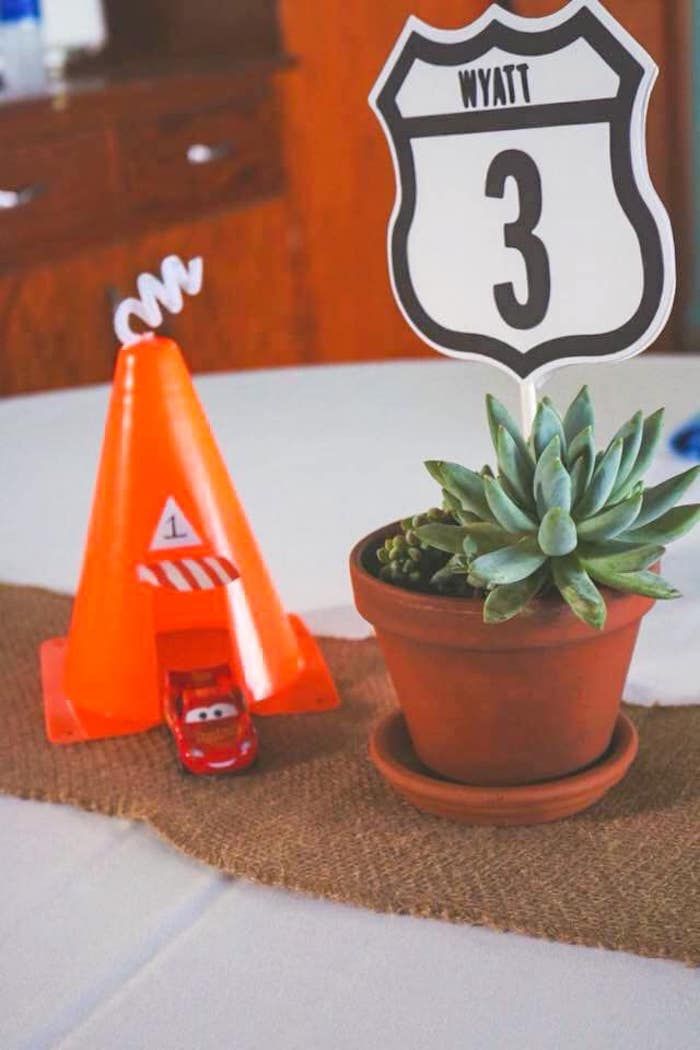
[392, 753]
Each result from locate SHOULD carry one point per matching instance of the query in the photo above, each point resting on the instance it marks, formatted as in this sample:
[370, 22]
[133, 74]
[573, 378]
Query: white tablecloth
[111, 939]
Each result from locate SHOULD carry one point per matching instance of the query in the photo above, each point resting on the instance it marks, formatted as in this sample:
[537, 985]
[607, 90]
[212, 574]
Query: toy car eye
[197, 714]
[224, 710]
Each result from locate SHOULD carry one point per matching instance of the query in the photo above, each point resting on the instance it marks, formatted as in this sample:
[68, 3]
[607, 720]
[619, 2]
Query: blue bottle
[24, 72]
[686, 440]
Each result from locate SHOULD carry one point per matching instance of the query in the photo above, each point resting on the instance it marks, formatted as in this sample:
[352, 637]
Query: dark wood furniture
[113, 176]
[153, 150]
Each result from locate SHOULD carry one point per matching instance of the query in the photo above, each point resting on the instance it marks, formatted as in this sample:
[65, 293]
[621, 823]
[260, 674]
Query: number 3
[513, 163]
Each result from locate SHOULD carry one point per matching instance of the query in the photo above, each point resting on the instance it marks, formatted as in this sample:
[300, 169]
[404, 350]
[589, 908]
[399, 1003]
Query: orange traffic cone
[172, 576]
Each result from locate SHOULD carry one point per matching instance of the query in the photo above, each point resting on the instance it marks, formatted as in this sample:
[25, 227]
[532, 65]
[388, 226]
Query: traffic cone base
[66, 724]
[312, 690]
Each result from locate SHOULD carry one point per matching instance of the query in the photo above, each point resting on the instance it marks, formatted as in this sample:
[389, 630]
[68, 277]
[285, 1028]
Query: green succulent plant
[408, 562]
[555, 515]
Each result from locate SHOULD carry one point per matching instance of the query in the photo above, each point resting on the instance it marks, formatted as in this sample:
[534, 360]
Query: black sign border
[618, 111]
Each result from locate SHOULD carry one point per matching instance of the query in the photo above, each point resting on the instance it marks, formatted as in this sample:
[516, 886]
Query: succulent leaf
[488, 537]
[581, 474]
[546, 425]
[455, 508]
[631, 435]
[670, 526]
[648, 584]
[551, 453]
[499, 416]
[579, 414]
[466, 485]
[554, 487]
[505, 510]
[507, 600]
[476, 582]
[509, 564]
[449, 538]
[458, 565]
[657, 500]
[610, 523]
[651, 435]
[602, 482]
[514, 468]
[450, 502]
[557, 533]
[583, 442]
[607, 558]
[578, 591]
[510, 491]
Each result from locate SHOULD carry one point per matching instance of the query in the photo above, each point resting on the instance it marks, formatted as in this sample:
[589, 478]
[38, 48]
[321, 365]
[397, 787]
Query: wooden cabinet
[56, 318]
[186, 162]
[48, 200]
[103, 182]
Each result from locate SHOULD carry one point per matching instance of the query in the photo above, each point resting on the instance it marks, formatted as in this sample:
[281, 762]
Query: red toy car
[206, 713]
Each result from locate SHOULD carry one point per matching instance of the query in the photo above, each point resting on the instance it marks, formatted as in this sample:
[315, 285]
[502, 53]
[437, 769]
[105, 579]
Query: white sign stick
[528, 404]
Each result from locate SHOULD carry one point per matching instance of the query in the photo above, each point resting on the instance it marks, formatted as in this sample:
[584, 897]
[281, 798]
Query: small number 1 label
[173, 528]
[173, 534]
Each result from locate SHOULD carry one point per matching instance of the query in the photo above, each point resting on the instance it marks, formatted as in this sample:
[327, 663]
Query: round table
[112, 939]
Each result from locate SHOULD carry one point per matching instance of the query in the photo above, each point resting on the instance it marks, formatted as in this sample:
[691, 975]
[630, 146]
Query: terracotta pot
[521, 702]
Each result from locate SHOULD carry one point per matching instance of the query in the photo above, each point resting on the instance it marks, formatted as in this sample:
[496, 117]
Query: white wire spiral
[154, 293]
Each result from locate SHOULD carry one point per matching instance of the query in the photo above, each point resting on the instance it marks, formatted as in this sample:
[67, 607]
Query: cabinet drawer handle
[10, 199]
[200, 153]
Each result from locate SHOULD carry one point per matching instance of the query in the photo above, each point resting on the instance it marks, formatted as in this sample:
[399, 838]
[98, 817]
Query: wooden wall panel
[56, 319]
[340, 169]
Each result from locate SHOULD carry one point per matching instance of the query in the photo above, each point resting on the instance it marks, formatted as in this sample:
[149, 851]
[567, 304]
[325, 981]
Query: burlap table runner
[314, 816]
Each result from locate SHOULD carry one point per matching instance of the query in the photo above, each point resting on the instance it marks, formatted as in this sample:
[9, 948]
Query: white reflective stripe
[203, 579]
[217, 568]
[147, 575]
[175, 576]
